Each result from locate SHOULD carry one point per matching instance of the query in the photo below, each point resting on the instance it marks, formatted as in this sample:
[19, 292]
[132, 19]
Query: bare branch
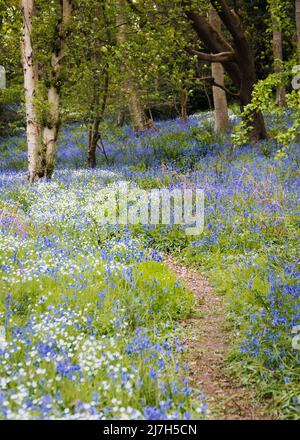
[222, 57]
[213, 83]
[230, 19]
[236, 94]
[212, 39]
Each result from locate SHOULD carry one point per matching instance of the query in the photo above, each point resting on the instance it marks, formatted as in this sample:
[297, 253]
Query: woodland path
[208, 342]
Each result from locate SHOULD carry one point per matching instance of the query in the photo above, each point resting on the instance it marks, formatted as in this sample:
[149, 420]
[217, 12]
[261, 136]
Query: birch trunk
[219, 96]
[35, 159]
[50, 130]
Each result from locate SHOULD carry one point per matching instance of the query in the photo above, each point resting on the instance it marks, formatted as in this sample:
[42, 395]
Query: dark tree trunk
[248, 74]
[94, 137]
[183, 106]
[94, 133]
[238, 60]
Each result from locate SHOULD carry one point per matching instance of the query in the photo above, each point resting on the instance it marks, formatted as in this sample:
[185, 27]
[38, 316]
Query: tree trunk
[277, 51]
[50, 130]
[94, 137]
[298, 25]
[35, 159]
[183, 106]
[121, 118]
[94, 132]
[258, 129]
[277, 55]
[219, 95]
[138, 116]
[246, 64]
[238, 61]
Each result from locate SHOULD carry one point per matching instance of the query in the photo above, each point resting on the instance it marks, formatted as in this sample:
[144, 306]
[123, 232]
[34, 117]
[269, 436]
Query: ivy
[263, 100]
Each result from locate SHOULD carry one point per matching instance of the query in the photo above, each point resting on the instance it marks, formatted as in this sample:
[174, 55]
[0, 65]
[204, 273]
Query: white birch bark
[50, 131]
[35, 159]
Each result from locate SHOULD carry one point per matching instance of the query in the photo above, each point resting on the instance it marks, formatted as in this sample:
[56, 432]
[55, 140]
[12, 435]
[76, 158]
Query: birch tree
[35, 156]
[52, 122]
[42, 130]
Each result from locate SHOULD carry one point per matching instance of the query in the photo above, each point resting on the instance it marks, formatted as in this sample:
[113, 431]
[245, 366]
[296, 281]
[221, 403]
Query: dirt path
[207, 350]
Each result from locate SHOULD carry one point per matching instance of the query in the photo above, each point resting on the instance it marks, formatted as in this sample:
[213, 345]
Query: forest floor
[208, 344]
[124, 308]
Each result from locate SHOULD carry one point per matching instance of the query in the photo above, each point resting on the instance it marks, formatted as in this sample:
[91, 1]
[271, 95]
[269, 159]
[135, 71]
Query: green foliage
[263, 100]
[11, 111]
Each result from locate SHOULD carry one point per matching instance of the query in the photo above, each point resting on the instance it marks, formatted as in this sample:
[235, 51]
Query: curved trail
[208, 346]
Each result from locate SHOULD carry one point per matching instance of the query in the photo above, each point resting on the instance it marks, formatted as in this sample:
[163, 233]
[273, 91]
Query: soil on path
[208, 346]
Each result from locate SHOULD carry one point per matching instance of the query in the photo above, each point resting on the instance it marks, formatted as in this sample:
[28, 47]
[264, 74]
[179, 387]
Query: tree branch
[222, 57]
[236, 94]
[213, 83]
[230, 19]
[212, 39]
